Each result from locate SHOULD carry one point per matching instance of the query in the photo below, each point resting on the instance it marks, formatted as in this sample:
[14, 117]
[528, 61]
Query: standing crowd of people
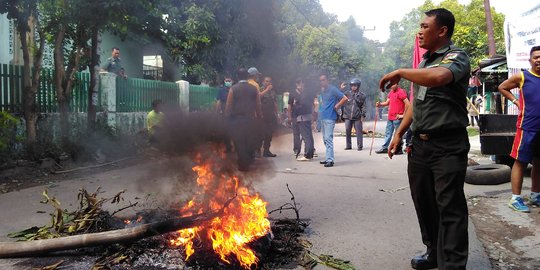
[436, 118]
[252, 119]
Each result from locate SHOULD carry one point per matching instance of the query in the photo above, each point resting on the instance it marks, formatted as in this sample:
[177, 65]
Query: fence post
[183, 99]
[108, 96]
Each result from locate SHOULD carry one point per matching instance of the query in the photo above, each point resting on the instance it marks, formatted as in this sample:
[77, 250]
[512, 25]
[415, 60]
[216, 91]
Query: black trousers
[297, 143]
[241, 129]
[436, 172]
[359, 133]
[307, 134]
[269, 123]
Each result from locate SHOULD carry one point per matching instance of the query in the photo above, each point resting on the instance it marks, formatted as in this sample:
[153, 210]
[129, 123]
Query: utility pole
[489, 25]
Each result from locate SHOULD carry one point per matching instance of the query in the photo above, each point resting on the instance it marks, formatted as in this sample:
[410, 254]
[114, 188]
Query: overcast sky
[381, 13]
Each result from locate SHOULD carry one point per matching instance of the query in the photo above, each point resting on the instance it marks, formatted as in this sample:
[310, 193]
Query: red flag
[417, 58]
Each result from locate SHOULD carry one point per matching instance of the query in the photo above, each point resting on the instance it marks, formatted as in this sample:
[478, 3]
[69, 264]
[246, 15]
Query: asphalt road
[359, 210]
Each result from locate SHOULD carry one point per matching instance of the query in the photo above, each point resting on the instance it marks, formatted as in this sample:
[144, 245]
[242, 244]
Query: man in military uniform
[438, 158]
[269, 115]
[114, 63]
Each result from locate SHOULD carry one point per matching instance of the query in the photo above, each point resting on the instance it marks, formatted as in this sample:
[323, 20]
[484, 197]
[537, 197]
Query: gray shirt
[113, 65]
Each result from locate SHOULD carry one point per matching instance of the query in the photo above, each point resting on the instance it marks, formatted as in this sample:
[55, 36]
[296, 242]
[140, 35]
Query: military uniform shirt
[444, 107]
[113, 65]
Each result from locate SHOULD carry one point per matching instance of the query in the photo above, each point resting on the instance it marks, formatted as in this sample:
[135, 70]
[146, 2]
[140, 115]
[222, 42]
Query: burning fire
[138, 220]
[243, 221]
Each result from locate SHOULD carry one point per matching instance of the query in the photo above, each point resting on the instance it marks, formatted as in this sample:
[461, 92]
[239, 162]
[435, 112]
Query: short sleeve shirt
[443, 107]
[153, 119]
[302, 103]
[329, 98]
[396, 105]
[113, 65]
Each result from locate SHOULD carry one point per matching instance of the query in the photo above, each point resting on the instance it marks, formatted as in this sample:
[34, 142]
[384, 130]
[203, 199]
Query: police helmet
[355, 81]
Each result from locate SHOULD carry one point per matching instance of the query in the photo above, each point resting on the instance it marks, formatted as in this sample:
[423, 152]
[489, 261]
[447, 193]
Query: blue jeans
[391, 126]
[328, 138]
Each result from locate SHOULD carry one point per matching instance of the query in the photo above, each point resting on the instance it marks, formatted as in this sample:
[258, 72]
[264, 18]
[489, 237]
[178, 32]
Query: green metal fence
[46, 96]
[132, 94]
[11, 91]
[11, 84]
[202, 97]
[136, 95]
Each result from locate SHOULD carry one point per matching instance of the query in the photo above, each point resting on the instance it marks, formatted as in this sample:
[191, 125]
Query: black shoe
[329, 164]
[359, 149]
[382, 151]
[424, 261]
[268, 154]
[348, 148]
[323, 162]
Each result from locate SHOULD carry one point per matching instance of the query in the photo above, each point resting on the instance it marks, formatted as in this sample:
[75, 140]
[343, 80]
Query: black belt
[426, 136]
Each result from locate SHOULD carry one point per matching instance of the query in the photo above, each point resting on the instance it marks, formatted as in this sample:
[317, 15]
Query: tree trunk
[59, 78]
[489, 25]
[40, 247]
[93, 91]
[29, 100]
[31, 80]
[64, 77]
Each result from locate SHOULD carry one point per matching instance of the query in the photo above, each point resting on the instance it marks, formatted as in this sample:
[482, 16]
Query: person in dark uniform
[354, 113]
[438, 155]
[114, 63]
[242, 108]
[269, 109]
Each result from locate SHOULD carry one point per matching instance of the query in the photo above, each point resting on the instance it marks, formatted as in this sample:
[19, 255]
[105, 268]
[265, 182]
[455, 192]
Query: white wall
[6, 40]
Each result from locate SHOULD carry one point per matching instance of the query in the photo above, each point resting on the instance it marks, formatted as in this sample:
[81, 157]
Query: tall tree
[26, 17]
[68, 39]
[471, 30]
[137, 19]
[469, 33]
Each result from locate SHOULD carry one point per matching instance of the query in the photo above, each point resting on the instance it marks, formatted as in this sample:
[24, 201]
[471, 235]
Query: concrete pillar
[183, 95]
[108, 96]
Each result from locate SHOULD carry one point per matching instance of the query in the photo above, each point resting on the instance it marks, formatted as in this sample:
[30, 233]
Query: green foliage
[8, 135]
[470, 32]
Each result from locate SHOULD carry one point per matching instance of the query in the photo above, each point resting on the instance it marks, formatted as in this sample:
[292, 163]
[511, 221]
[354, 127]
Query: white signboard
[521, 34]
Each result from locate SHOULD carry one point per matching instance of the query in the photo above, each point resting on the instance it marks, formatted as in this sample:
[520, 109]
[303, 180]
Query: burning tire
[492, 174]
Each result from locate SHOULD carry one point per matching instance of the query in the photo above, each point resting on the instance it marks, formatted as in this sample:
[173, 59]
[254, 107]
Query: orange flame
[243, 221]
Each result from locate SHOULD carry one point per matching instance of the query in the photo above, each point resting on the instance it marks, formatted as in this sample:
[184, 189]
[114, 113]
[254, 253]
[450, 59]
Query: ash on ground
[280, 249]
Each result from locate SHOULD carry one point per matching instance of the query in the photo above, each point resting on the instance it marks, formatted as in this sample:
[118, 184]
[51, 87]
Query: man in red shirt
[398, 104]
